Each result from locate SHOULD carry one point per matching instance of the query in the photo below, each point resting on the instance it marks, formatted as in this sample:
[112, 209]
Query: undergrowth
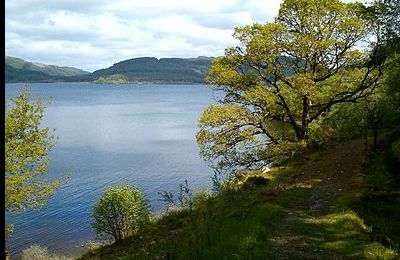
[271, 219]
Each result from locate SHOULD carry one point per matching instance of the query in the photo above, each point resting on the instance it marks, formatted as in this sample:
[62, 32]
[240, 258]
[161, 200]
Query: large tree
[283, 77]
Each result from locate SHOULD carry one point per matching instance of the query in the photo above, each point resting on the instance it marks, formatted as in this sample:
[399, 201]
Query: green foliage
[168, 198]
[120, 212]
[285, 150]
[27, 146]
[201, 198]
[386, 18]
[365, 118]
[282, 78]
[137, 70]
[113, 79]
[36, 252]
[184, 199]
[261, 219]
[8, 230]
[153, 70]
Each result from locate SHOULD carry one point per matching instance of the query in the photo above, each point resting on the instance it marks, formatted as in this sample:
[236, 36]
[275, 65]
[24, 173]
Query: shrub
[121, 212]
[36, 252]
[255, 180]
[201, 198]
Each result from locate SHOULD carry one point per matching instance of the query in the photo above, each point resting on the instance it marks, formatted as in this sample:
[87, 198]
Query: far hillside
[19, 70]
[136, 70]
[152, 70]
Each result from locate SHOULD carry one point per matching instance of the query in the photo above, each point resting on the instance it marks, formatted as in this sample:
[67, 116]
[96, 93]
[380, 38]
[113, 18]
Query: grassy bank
[316, 208]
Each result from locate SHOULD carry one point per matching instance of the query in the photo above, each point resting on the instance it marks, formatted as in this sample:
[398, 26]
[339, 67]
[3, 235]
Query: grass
[303, 211]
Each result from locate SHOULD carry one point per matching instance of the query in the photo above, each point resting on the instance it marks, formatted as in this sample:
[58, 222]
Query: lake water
[111, 134]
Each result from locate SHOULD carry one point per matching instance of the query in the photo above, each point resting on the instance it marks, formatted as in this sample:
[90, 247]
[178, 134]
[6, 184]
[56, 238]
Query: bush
[285, 151]
[120, 212]
[201, 198]
[36, 252]
[255, 180]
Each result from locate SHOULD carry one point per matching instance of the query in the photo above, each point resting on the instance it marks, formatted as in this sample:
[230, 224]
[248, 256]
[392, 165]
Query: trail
[330, 175]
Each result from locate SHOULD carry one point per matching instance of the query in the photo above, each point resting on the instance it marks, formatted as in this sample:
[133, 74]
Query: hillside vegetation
[319, 207]
[18, 70]
[153, 70]
[137, 70]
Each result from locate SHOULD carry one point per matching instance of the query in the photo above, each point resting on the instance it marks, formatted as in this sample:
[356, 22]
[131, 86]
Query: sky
[95, 34]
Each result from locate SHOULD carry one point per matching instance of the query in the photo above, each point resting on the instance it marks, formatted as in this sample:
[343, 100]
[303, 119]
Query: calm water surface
[110, 134]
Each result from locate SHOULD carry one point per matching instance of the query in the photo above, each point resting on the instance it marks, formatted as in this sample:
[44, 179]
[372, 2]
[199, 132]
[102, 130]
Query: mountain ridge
[18, 70]
[134, 70]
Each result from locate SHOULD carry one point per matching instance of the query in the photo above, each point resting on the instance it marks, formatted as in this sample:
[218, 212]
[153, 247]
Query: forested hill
[137, 70]
[152, 70]
[19, 70]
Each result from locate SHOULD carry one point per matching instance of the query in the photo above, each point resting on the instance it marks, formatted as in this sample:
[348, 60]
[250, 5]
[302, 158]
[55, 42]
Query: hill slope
[153, 70]
[19, 70]
[304, 211]
[137, 70]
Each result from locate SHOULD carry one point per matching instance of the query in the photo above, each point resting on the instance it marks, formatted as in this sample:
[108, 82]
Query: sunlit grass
[261, 220]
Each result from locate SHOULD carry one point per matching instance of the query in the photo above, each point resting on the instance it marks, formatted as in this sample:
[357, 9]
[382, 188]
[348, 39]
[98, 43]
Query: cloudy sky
[94, 34]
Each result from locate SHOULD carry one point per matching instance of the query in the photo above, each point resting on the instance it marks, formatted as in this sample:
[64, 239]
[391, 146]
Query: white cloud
[94, 34]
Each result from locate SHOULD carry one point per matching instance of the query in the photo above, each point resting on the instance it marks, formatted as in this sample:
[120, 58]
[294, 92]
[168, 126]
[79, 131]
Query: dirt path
[334, 174]
[331, 174]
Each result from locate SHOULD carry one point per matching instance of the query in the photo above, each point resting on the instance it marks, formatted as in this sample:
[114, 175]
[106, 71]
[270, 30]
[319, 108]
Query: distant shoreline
[110, 83]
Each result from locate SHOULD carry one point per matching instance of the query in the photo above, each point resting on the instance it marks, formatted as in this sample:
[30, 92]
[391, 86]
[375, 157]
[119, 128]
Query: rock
[265, 169]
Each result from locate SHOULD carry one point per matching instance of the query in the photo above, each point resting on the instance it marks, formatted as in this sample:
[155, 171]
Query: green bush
[121, 212]
[200, 198]
[36, 252]
[285, 151]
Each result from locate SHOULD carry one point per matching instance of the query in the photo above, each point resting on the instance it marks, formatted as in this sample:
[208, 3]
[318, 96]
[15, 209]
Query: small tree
[27, 146]
[121, 212]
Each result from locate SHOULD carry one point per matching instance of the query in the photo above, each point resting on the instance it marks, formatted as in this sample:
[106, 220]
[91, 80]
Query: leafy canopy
[282, 78]
[120, 212]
